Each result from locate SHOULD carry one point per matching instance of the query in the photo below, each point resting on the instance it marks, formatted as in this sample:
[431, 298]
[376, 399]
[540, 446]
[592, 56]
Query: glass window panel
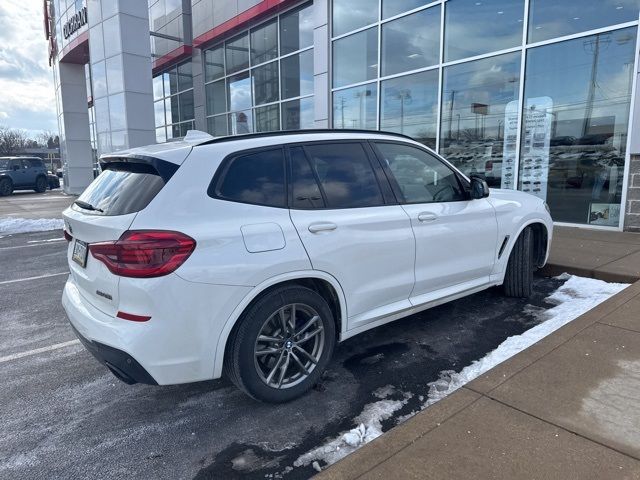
[297, 75]
[239, 94]
[477, 100]
[411, 42]
[185, 127]
[355, 107]
[99, 77]
[345, 174]
[159, 113]
[577, 97]
[214, 64]
[173, 82]
[237, 54]
[551, 18]
[175, 130]
[394, 7]
[409, 105]
[172, 109]
[349, 15]
[185, 76]
[161, 135]
[355, 58]
[264, 43]
[216, 97]
[473, 27]
[256, 178]
[422, 178]
[268, 118]
[296, 30]
[186, 106]
[265, 83]
[298, 114]
[158, 91]
[240, 122]
[217, 126]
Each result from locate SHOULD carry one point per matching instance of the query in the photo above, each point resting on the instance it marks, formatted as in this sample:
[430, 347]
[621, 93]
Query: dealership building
[537, 95]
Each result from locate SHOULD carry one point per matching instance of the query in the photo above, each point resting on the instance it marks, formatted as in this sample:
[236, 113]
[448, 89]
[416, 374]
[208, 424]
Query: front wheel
[6, 187]
[281, 345]
[518, 280]
[41, 185]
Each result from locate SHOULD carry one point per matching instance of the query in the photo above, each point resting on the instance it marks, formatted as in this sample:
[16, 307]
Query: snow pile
[578, 295]
[10, 226]
[369, 427]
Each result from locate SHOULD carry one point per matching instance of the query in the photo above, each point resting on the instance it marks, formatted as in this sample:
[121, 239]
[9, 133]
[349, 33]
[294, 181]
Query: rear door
[103, 212]
[456, 237]
[352, 228]
[17, 173]
[31, 171]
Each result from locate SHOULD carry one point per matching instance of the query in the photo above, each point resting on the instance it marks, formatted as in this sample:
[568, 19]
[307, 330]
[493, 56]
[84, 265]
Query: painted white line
[57, 346]
[39, 244]
[5, 282]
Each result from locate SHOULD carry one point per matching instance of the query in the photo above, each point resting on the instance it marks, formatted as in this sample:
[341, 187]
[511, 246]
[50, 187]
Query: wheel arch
[323, 283]
[541, 239]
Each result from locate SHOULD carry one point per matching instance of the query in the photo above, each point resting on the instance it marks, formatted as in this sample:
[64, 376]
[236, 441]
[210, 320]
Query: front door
[340, 210]
[456, 237]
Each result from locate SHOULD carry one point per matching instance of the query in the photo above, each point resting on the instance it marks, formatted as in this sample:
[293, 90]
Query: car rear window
[122, 188]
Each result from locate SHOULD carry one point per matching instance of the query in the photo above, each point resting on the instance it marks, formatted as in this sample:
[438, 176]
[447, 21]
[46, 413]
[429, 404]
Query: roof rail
[244, 136]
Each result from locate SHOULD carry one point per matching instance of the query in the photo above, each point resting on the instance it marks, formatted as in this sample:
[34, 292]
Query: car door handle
[322, 227]
[426, 217]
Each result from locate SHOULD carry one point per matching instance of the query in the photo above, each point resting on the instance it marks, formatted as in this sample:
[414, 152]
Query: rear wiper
[88, 206]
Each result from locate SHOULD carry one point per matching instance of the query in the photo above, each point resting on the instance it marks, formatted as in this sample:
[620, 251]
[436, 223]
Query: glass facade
[262, 79]
[173, 102]
[536, 100]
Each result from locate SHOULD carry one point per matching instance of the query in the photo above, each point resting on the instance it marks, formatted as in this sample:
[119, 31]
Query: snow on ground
[575, 297]
[10, 226]
[369, 427]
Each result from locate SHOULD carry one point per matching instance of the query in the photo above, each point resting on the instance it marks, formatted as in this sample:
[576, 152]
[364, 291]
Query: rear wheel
[41, 184]
[282, 345]
[6, 187]
[518, 280]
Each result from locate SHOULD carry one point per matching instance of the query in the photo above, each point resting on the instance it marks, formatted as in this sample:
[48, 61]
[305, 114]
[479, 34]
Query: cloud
[26, 80]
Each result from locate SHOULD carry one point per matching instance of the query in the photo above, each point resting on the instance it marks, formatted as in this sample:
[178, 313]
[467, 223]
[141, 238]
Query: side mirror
[479, 188]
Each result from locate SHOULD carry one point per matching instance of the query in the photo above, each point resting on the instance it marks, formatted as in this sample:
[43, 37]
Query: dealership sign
[75, 23]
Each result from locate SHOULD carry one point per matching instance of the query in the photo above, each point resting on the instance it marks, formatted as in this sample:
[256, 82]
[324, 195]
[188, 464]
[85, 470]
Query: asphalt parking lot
[63, 415]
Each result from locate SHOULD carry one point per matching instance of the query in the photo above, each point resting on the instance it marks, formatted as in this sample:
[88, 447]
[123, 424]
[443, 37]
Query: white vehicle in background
[256, 254]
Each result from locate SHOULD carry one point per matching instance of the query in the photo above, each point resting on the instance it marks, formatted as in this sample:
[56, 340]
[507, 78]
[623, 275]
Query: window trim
[465, 185]
[222, 170]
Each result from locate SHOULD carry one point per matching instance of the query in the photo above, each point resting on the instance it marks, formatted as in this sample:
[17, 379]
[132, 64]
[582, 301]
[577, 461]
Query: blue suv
[21, 173]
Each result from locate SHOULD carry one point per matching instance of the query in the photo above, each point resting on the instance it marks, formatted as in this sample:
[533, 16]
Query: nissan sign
[75, 23]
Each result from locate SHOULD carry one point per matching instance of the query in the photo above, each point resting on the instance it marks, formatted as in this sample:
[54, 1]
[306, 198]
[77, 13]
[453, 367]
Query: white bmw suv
[256, 254]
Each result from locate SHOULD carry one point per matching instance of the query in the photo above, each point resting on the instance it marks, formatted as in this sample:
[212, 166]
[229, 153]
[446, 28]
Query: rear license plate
[80, 253]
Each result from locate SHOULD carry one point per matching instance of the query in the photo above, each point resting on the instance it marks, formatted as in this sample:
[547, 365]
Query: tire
[518, 280]
[277, 376]
[41, 184]
[6, 187]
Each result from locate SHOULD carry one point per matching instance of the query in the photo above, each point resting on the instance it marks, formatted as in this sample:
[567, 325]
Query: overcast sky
[27, 98]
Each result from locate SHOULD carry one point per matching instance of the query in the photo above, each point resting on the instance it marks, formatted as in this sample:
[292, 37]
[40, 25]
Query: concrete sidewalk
[566, 408]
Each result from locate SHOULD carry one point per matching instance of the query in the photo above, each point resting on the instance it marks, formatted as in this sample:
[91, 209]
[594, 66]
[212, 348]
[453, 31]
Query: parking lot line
[36, 351]
[32, 244]
[5, 282]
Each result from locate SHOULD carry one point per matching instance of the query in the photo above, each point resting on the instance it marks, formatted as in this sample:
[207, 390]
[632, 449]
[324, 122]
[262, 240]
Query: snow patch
[576, 296]
[369, 427]
[10, 226]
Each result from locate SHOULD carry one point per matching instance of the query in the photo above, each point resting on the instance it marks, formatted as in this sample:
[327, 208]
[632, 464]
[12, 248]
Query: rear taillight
[144, 253]
[488, 167]
[67, 235]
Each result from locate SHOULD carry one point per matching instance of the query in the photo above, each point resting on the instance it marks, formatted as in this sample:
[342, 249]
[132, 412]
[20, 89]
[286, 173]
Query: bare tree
[12, 141]
[46, 139]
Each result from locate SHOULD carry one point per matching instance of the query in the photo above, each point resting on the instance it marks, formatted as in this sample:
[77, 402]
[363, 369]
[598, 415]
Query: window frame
[465, 185]
[222, 170]
[386, 190]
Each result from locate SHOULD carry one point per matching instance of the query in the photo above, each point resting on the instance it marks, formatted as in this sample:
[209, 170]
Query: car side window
[422, 178]
[15, 163]
[27, 164]
[306, 193]
[256, 178]
[345, 174]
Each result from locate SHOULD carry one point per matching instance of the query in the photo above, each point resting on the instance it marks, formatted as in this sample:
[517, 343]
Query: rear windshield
[122, 188]
[4, 164]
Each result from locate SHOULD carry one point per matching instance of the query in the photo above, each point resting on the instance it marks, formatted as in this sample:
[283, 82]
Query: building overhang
[77, 50]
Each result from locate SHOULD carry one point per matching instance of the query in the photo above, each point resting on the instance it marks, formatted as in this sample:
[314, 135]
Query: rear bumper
[121, 364]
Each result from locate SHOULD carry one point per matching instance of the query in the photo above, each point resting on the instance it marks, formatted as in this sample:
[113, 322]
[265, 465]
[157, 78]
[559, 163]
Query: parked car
[255, 254]
[22, 173]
